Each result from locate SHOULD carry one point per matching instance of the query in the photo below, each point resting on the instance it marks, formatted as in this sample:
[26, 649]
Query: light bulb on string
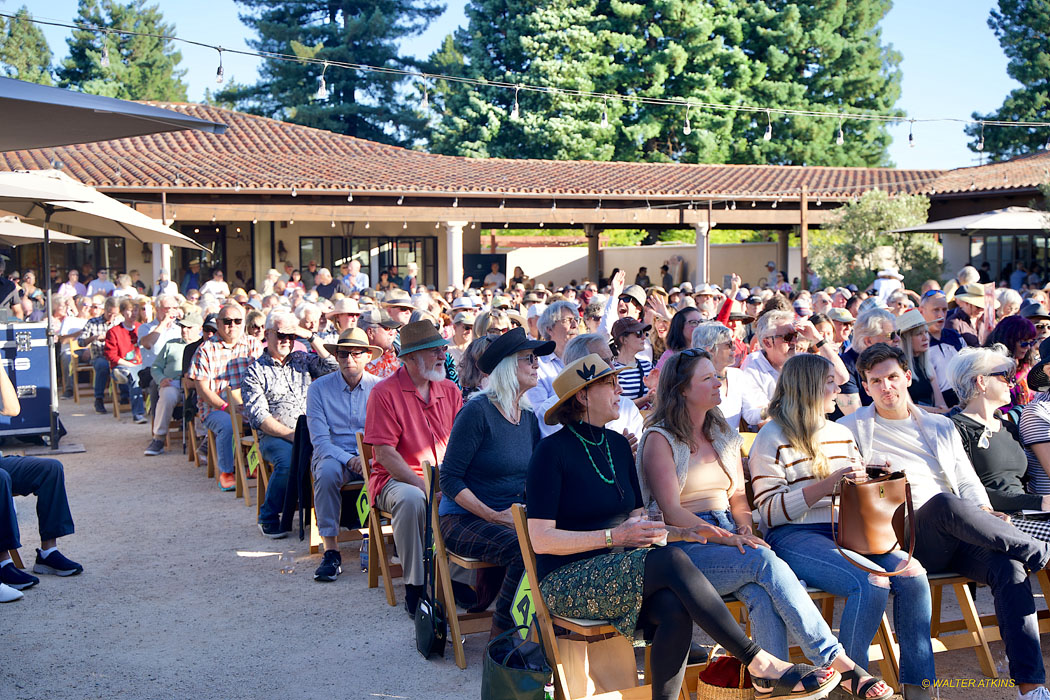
[753, 204]
[554, 205]
[514, 113]
[368, 224]
[605, 113]
[437, 224]
[840, 139]
[768, 136]
[980, 141]
[1046, 147]
[255, 220]
[322, 87]
[455, 202]
[213, 218]
[911, 134]
[733, 206]
[727, 205]
[819, 202]
[775, 203]
[404, 225]
[541, 224]
[424, 105]
[291, 222]
[401, 200]
[294, 192]
[333, 223]
[687, 129]
[506, 224]
[219, 73]
[473, 225]
[103, 61]
[350, 197]
[502, 203]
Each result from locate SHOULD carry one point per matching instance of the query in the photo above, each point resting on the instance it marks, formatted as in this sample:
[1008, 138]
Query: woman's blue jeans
[811, 553]
[776, 602]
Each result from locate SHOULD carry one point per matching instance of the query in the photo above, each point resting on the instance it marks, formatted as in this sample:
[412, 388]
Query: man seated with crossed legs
[955, 527]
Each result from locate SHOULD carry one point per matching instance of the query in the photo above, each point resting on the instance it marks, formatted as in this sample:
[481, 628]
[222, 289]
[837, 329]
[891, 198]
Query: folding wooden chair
[460, 624]
[380, 533]
[263, 474]
[191, 434]
[15, 559]
[115, 393]
[213, 458]
[241, 445]
[545, 623]
[76, 370]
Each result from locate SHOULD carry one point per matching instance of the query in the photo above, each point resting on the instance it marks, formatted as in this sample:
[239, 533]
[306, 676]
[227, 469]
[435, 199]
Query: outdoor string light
[104, 60]
[219, 71]
[911, 134]
[424, 104]
[768, 136]
[980, 142]
[840, 139]
[687, 129]
[514, 114]
[322, 88]
[605, 113]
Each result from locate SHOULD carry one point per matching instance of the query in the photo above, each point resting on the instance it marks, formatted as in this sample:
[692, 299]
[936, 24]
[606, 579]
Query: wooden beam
[563, 217]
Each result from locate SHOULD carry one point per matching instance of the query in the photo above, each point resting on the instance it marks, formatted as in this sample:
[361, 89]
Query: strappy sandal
[863, 683]
[784, 687]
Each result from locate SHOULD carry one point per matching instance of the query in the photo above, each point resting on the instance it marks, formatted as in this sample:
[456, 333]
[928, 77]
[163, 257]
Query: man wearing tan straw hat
[274, 394]
[382, 332]
[335, 413]
[965, 319]
[409, 420]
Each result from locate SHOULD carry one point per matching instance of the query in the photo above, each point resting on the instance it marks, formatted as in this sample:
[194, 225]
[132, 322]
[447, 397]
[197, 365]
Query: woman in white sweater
[795, 462]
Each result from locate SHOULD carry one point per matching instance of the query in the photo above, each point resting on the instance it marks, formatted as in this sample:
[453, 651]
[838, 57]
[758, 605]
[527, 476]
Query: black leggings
[675, 595]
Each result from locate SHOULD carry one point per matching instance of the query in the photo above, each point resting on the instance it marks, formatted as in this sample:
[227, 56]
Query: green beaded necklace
[587, 444]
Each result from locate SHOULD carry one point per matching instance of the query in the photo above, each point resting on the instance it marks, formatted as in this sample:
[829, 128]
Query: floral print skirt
[607, 587]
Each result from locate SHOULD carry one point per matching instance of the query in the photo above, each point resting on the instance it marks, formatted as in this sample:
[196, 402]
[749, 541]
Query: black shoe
[464, 595]
[100, 406]
[16, 578]
[67, 394]
[412, 596]
[56, 565]
[331, 566]
[698, 653]
[274, 532]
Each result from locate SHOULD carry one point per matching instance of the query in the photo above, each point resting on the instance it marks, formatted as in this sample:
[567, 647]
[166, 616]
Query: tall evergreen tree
[369, 105]
[140, 67]
[1023, 28]
[823, 55]
[24, 52]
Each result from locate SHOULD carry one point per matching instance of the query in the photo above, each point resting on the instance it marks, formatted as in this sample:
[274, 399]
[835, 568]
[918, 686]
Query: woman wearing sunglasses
[1017, 334]
[982, 378]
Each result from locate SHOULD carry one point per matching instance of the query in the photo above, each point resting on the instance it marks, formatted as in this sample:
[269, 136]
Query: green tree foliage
[850, 249]
[1022, 27]
[24, 53]
[140, 67]
[369, 105]
[823, 55]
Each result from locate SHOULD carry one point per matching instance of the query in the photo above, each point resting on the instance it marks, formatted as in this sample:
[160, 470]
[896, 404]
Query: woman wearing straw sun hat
[486, 462]
[583, 499]
[925, 389]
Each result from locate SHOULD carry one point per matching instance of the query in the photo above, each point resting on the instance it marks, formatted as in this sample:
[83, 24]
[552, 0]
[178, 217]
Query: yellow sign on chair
[521, 609]
[362, 506]
[253, 460]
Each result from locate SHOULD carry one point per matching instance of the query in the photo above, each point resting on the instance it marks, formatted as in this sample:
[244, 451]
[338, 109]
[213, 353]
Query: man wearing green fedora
[408, 420]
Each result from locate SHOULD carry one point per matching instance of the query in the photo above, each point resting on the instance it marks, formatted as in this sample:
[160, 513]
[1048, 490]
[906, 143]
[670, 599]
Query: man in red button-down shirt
[125, 360]
[408, 420]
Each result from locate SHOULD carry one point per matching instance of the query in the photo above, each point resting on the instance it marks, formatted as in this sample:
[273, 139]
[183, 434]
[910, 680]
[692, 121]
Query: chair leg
[973, 626]
[376, 537]
[213, 458]
[116, 398]
[890, 663]
[444, 591]
[15, 559]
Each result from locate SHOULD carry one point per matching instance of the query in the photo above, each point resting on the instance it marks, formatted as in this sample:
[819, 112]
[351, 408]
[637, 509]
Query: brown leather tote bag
[871, 517]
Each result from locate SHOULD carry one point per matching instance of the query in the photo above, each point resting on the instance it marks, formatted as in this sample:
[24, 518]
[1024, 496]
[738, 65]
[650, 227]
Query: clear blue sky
[952, 63]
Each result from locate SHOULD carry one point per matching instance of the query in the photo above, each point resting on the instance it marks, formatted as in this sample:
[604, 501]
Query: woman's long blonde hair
[671, 410]
[798, 406]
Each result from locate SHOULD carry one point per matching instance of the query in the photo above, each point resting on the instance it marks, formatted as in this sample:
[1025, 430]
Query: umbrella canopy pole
[53, 403]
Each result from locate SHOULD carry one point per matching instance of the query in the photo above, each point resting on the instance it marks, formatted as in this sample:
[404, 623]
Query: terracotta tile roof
[257, 153]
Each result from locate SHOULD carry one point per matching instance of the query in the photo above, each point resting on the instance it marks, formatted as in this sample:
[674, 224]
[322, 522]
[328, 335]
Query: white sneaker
[1040, 693]
[8, 594]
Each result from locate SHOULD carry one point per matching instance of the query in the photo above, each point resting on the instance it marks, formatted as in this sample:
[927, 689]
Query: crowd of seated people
[638, 396]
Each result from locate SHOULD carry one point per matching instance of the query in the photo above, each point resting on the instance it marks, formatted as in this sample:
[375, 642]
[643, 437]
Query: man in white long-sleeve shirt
[955, 527]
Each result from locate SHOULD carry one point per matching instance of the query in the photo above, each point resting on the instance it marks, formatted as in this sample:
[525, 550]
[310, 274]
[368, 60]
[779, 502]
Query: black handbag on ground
[431, 623]
[514, 668]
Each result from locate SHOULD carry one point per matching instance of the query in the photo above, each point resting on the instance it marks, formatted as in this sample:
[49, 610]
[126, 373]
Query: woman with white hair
[982, 378]
[717, 340]
[1009, 303]
[487, 460]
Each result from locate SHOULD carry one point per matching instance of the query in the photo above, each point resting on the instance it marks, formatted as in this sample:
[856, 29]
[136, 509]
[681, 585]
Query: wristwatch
[821, 343]
[608, 538]
[313, 337]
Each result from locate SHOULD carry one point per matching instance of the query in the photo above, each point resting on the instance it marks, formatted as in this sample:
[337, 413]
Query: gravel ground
[182, 597]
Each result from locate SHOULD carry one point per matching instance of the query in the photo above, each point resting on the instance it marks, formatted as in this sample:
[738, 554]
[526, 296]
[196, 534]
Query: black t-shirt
[563, 486]
[1001, 465]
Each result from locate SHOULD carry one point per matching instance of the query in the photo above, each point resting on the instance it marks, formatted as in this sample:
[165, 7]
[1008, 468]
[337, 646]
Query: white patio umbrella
[14, 232]
[53, 197]
[1007, 219]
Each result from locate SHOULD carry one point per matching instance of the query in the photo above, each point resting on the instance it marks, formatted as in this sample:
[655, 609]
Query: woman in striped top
[628, 339]
[796, 461]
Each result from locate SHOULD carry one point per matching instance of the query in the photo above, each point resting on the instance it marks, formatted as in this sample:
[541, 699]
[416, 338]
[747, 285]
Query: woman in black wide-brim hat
[483, 473]
[594, 552]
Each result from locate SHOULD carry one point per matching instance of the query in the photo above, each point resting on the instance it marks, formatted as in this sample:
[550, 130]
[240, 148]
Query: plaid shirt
[223, 366]
[94, 334]
[278, 391]
[384, 365]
